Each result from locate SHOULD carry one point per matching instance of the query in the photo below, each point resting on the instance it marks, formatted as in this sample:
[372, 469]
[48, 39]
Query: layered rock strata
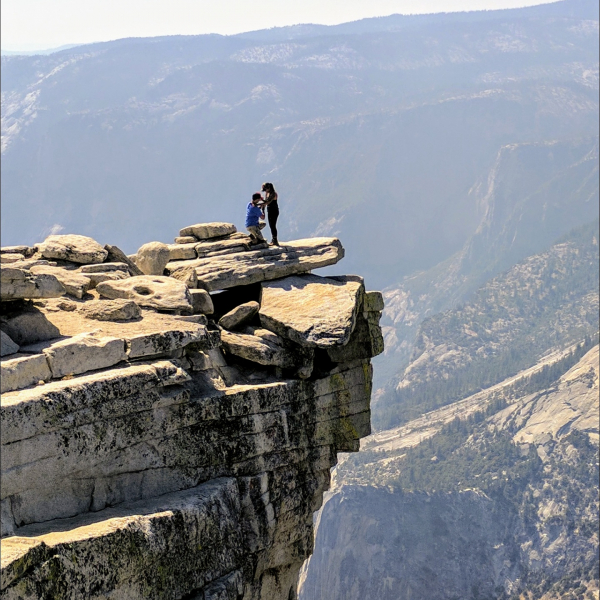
[161, 441]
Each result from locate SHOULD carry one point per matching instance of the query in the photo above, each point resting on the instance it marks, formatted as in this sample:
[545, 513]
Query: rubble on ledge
[207, 382]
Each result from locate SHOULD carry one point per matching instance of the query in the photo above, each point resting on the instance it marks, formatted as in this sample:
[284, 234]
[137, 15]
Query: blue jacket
[253, 214]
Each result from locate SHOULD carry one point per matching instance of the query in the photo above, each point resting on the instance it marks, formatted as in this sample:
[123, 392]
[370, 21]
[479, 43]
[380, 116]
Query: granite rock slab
[244, 268]
[11, 258]
[206, 231]
[239, 315]
[75, 248]
[163, 342]
[83, 353]
[75, 284]
[21, 249]
[110, 310]
[107, 267]
[268, 349]
[18, 283]
[19, 373]
[158, 292]
[189, 524]
[311, 310]
[186, 239]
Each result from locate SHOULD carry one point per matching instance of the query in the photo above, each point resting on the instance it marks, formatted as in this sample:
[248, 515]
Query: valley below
[470, 500]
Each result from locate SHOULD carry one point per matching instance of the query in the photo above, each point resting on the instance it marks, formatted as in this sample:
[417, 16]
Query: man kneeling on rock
[254, 212]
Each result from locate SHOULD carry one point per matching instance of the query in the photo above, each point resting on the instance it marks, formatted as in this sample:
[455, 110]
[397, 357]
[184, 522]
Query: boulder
[11, 258]
[206, 231]
[239, 315]
[311, 310]
[75, 284]
[158, 292]
[28, 326]
[266, 350]
[182, 251]
[202, 302]
[75, 248]
[7, 346]
[107, 267]
[20, 283]
[19, 373]
[115, 254]
[84, 352]
[111, 310]
[152, 258]
[23, 250]
[244, 268]
[186, 239]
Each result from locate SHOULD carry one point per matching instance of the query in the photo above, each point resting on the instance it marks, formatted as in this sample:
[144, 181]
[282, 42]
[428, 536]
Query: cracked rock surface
[150, 452]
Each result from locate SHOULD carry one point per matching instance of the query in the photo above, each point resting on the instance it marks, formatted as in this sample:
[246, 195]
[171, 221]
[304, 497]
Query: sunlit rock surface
[152, 453]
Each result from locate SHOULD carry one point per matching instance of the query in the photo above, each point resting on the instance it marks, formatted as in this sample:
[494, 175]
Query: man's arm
[270, 198]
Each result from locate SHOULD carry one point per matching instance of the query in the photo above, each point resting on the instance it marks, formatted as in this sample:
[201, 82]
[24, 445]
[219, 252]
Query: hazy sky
[37, 24]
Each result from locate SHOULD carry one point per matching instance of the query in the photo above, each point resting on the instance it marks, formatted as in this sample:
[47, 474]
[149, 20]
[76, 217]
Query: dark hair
[268, 187]
[256, 196]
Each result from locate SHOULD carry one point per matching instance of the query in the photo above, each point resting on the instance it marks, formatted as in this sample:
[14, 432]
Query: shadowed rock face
[164, 457]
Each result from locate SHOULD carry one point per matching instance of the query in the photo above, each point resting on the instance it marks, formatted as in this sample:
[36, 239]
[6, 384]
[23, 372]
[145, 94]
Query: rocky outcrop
[19, 283]
[75, 248]
[243, 268]
[152, 258]
[159, 292]
[148, 452]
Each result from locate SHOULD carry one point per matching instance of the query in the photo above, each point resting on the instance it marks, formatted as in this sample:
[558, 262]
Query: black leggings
[272, 214]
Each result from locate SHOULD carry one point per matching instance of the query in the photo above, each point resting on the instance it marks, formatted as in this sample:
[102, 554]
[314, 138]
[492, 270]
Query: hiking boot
[274, 242]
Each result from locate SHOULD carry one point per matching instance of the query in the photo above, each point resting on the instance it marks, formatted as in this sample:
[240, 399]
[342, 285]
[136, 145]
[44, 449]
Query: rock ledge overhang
[169, 419]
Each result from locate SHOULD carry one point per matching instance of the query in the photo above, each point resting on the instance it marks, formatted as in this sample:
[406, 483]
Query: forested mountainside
[488, 485]
[545, 302]
[350, 122]
[493, 498]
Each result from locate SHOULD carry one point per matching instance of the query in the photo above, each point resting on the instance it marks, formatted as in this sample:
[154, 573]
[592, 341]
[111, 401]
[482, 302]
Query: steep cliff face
[159, 441]
[506, 508]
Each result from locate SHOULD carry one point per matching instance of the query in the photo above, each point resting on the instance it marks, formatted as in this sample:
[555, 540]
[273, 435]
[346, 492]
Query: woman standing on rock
[272, 210]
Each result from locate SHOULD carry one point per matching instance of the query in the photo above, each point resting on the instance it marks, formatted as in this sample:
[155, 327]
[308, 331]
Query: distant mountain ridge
[100, 138]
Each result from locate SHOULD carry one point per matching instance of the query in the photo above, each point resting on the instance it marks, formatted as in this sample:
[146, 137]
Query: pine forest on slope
[547, 301]
[483, 501]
